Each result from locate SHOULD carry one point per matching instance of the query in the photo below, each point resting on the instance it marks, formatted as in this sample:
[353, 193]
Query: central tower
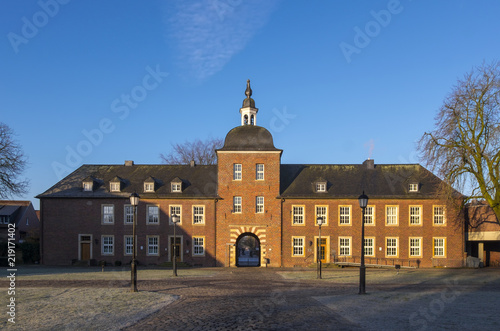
[249, 188]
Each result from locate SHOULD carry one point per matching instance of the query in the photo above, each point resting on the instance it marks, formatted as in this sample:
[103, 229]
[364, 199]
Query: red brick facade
[249, 192]
[380, 231]
[265, 225]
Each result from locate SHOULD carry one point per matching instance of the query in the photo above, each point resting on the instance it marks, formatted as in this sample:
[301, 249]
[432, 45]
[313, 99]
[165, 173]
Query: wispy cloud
[208, 33]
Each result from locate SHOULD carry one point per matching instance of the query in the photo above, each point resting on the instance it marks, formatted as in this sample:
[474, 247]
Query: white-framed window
[297, 215]
[345, 246]
[320, 187]
[321, 211]
[153, 214]
[369, 246]
[259, 171]
[108, 214]
[4, 219]
[198, 214]
[413, 187]
[344, 215]
[391, 215]
[415, 215]
[259, 204]
[198, 246]
[153, 245]
[127, 245]
[438, 215]
[149, 187]
[297, 246]
[128, 214]
[439, 249]
[114, 187]
[108, 245]
[369, 215]
[175, 210]
[391, 246]
[415, 247]
[87, 186]
[237, 169]
[176, 187]
[236, 205]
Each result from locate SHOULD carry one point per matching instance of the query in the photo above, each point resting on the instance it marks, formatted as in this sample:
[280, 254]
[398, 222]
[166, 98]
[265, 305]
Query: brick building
[482, 233]
[250, 194]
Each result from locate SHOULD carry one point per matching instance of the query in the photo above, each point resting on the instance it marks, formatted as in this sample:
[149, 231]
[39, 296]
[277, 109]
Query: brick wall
[267, 225]
[63, 220]
[403, 231]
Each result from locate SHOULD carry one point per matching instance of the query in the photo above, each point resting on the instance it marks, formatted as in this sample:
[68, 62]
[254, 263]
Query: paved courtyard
[281, 299]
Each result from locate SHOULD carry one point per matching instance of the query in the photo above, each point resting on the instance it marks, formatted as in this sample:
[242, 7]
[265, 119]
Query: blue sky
[100, 82]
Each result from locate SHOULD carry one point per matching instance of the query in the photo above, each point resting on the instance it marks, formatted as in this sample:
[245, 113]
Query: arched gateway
[248, 251]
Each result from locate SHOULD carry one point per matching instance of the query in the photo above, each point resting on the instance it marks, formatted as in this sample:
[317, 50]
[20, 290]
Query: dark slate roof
[349, 181]
[199, 181]
[8, 210]
[15, 209]
[249, 138]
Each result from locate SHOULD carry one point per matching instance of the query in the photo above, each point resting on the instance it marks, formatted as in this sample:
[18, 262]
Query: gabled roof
[15, 209]
[150, 179]
[8, 210]
[349, 181]
[176, 180]
[199, 181]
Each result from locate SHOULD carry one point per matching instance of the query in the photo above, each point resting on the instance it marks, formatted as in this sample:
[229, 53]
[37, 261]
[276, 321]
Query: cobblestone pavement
[244, 299]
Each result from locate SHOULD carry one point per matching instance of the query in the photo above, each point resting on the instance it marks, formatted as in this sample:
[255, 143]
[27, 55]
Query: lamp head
[175, 219]
[363, 200]
[134, 199]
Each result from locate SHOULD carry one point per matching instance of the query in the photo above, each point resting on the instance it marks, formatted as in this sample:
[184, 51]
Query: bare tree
[202, 152]
[464, 148]
[12, 165]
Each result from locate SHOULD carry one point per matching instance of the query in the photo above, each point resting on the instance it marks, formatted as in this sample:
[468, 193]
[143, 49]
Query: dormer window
[320, 185]
[114, 187]
[88, 186]
[413, 187]
[150, 184]
[176, 187]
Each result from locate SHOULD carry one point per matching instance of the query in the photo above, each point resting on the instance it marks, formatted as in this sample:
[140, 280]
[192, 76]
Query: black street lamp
[363, 202]
[134, 201]
[319, 220]
[175, 219]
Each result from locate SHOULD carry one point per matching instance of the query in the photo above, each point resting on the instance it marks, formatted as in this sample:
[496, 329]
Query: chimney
[129, 163]
[369, 164]
[192, 163]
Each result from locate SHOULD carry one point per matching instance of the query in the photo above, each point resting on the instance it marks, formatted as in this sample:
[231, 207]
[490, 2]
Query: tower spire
[248, 111]
[248, 91]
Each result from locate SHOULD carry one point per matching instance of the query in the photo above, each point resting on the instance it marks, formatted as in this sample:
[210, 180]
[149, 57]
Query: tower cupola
[248, 111]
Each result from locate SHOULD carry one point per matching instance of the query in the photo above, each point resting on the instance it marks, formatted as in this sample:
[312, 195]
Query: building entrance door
[322, 249]
[247, 250]
[177, 249]
[85, 251]
[85, 245]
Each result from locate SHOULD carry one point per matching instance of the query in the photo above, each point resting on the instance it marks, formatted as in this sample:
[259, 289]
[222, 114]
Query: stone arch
[237, 232]
[248, 251]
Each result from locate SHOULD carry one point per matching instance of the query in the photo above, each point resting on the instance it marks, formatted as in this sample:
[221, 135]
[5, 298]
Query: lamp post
[319, 220]
[363, 202]
[175, 219]
[134, 201]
